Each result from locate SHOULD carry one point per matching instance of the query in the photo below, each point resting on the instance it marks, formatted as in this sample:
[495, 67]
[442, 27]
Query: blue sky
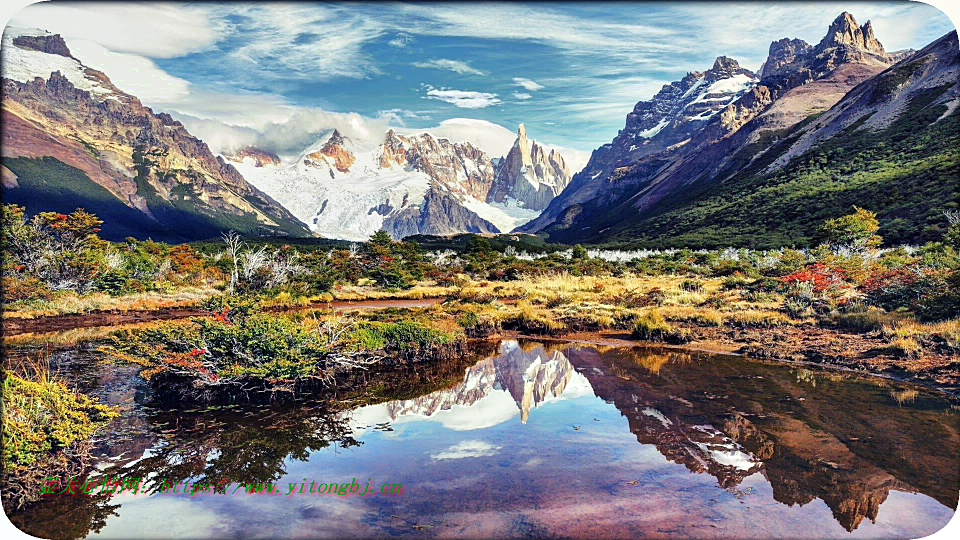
[569, 71]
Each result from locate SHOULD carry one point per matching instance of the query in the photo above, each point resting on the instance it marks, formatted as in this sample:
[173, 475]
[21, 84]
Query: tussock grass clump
[867, 319]
[904, 346]
[708, 318]
[758, 318]
[530, 318]
[736, 281]
[67, 302]
[908, 337]
[653, 327]
[691, 285]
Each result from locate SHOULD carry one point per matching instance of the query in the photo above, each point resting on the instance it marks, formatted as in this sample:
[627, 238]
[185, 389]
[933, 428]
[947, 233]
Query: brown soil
[59, 323]
[865, 352]
[808, 343]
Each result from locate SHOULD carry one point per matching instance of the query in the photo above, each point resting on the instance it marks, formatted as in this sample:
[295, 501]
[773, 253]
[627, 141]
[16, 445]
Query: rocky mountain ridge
[677, 114]
[72, 139]
[410, 184]
[798, 83]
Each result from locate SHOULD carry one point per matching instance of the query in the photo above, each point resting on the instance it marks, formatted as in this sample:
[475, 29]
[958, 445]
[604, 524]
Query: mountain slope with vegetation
[889, 145]
[72, 139]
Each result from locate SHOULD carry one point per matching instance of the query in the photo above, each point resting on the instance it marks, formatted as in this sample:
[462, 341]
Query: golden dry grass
[553, 301]
[67, 338]
[69, 302]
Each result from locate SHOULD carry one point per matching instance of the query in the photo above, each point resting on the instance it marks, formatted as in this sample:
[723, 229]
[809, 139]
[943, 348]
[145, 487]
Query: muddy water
[535, 440]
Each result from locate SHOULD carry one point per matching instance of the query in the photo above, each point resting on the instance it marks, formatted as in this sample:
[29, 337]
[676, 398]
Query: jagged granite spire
[845, 31]
[529, 175]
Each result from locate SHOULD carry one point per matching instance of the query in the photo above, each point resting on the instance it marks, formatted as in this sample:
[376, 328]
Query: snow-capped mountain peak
[409, 184]
[29, 53]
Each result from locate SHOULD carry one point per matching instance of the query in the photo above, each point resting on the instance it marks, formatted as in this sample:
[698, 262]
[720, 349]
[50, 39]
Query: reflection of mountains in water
[830, 436]
[733, 417]
[497, 388]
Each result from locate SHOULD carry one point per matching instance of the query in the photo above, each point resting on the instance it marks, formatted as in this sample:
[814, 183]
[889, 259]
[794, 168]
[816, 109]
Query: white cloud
[285, 136]
[248, 109]
[398, 116]
[132, 73]
[493, 139]
[156, 30]
[522, 95]
[465, 99]
[306, 125]
[222, 138]
[527, 84]
[451, 65]
[401, 41]
[467, 449]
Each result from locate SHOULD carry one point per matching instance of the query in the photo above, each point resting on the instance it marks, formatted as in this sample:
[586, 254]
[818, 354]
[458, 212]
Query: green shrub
[373, 335]
[43, 417]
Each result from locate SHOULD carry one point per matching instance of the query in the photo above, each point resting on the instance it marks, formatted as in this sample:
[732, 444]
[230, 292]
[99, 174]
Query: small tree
[856, 231]
[952, 236]
[478, 245]
[579, 253]
[232, 240]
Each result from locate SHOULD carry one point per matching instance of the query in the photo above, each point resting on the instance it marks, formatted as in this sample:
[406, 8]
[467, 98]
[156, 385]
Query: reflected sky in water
[558, 441]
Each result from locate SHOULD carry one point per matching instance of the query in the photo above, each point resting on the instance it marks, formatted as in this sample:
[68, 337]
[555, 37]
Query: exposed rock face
[413, 184]
[460, 167]
[783, 53]
[845, 31]
[529, 175]
[49, 44]
[333, 154]
[674, 117]
[260, 157]
[440, 212]
[796, 81]
[147, 161]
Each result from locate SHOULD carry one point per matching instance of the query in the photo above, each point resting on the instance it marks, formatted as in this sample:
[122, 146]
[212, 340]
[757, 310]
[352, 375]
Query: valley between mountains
[722, 157]
[742, 312]
[822, 186]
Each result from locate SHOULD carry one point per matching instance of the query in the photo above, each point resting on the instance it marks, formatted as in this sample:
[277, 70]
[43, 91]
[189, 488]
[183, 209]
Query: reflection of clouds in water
[533, 462]
[467, 449]
[644, 439]
[158, 518]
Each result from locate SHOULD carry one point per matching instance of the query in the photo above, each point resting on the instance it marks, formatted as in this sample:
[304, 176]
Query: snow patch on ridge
[24, 65]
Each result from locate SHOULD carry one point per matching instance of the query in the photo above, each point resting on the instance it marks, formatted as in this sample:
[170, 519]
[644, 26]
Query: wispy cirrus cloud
[456, 66]
[522, 95]
[465, 99]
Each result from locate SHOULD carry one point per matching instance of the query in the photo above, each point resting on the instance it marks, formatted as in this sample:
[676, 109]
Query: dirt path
[58, 323]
